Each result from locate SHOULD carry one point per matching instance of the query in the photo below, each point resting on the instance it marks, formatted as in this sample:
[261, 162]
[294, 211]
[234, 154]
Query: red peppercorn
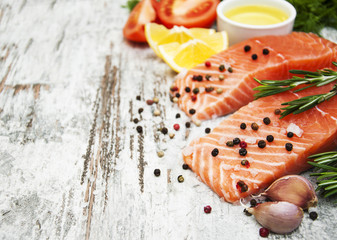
[243, 144]
[194, 98]
[176, 126]
[207, 209]
[174, 88]
[149, 102]
[264, 232]
[208, 64]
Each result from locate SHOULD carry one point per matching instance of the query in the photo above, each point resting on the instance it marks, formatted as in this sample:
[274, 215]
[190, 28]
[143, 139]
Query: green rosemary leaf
[330, 193]
[322, 166]
[325, 154]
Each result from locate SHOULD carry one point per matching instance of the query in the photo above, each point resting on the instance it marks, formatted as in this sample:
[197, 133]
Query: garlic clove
[278, 217]
[294, 189]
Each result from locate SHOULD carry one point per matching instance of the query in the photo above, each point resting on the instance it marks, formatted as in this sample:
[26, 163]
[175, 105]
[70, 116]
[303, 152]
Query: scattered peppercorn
[193, 98]
[254, 126]
[222, 68]
[197, 122]
[243, 144]
[149, 102]
[140, 110]
[265, 51]
[221, 77]
[135, 120]
[180, 178]
[207, 130]
[175, 99]
[138, 98]
[199, 78]
[261, 144]
[243, 151]
[174, 88]
[171, 135]
[254, 56]
[139, 129]
[177, 95]
[176, 126]
[247, 48]
[219, 90]
[230, 143]
[313, 215]
[156, 112]
[266, 120]
[160, 154]
[243, 126]
[289, 146]
[187, 89]
[230, 69]
[187, 124]
[192, 111]
[270, 138]
[196, 90]
[253, 202]
[236, 141]
[155, 100]
[207, 209]
[247, 213]
[209, 89]
[208, 64]
[264, 232]
[178, 115]
[290, 134]
[242, 186]
[215, 152]
[164, 130]
[185, 166]
[156, 172]
[277, 111]
[245, 163]
[208, 77]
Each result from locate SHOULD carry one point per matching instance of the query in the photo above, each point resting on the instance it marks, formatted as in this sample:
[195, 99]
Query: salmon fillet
[297, 50]
[224, 172]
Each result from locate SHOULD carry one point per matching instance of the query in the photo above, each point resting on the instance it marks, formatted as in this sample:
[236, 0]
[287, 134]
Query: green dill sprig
[305, 103]
[326, 164]
[318, 78]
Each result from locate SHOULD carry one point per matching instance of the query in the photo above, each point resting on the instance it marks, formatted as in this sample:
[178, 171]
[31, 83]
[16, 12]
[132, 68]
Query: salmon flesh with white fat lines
[226, 82]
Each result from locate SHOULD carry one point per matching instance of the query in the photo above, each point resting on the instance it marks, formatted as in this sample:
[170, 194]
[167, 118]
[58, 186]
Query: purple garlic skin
[294, 189]
[278, 217]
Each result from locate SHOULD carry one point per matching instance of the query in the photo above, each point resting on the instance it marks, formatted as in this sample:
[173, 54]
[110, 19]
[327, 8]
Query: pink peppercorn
[174, 88]
[193, 98]
[264, 232]
[207, 209]
[176, 126]
[208, 64]
[243, 144]
[149, 102]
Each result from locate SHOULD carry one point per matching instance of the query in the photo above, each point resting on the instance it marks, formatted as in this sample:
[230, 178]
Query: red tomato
[134, 28]
[155, 4]
[187, 13]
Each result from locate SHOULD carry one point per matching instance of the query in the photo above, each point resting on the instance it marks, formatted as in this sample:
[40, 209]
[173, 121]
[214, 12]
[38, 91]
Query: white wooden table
[72, 164]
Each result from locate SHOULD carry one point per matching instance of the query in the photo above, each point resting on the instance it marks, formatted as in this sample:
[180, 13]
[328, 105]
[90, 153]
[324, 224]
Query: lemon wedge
[157, 34]
[186, 55]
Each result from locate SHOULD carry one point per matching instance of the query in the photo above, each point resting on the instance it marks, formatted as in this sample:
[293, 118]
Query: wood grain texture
[72, 164]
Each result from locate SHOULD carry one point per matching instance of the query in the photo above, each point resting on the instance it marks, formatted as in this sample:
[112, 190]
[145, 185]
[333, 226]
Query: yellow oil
[256, 15]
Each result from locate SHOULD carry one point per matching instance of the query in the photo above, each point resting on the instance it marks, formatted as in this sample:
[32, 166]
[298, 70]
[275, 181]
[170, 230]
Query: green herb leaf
[130, 4]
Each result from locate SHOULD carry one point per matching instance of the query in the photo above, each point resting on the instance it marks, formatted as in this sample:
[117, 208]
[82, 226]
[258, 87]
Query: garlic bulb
[294, 189]
[278, 217]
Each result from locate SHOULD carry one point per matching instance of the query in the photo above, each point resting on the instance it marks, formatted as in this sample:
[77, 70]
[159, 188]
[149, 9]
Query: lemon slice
[157, 34]
[186, 55]
[218, 41]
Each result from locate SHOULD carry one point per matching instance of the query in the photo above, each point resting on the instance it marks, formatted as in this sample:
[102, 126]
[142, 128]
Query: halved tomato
[187, 13]
[142, 13]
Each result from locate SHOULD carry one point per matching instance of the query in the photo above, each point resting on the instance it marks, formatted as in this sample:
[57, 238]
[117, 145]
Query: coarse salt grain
[295, 129]
[250, 140]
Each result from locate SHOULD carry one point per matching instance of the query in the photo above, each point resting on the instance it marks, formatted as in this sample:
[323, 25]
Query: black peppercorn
[208, 77]
[207, 130]
[139, 129]
[247, 48]
[215, 152]
[185, 166]
[313, 215]
[254, 126]
[135, 120]
[178, 115]
[199, 78]
[156, 172]
[261, 144]
[180, 178]
[230, 143]
[290, 134]
[196, 90]
[177, 95]
[164, 130]
[187, 124]
[236, 141]
[187, 89]
[289, 146]
[266, 120]
[192, 111]
[138, 98]
[270, 138]
[230, 69]
[253, 203]
[265, 51]
[254, 56]
[222, 68]
[243, 152]
[140, 110]
[243, 126]
[277, 111]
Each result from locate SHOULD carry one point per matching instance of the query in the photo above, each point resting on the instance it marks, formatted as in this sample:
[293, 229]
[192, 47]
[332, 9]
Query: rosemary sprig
[318, 78]
[305, 103]
[326, 164]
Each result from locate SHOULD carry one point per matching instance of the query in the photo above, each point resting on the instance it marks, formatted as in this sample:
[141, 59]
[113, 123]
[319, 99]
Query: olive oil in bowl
[256, 15]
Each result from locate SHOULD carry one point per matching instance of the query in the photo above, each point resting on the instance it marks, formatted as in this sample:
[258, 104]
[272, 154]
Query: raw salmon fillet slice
[225, 174]
[297, 50]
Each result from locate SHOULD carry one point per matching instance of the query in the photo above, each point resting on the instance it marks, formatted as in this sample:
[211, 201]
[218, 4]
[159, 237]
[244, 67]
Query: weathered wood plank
[72, 164]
